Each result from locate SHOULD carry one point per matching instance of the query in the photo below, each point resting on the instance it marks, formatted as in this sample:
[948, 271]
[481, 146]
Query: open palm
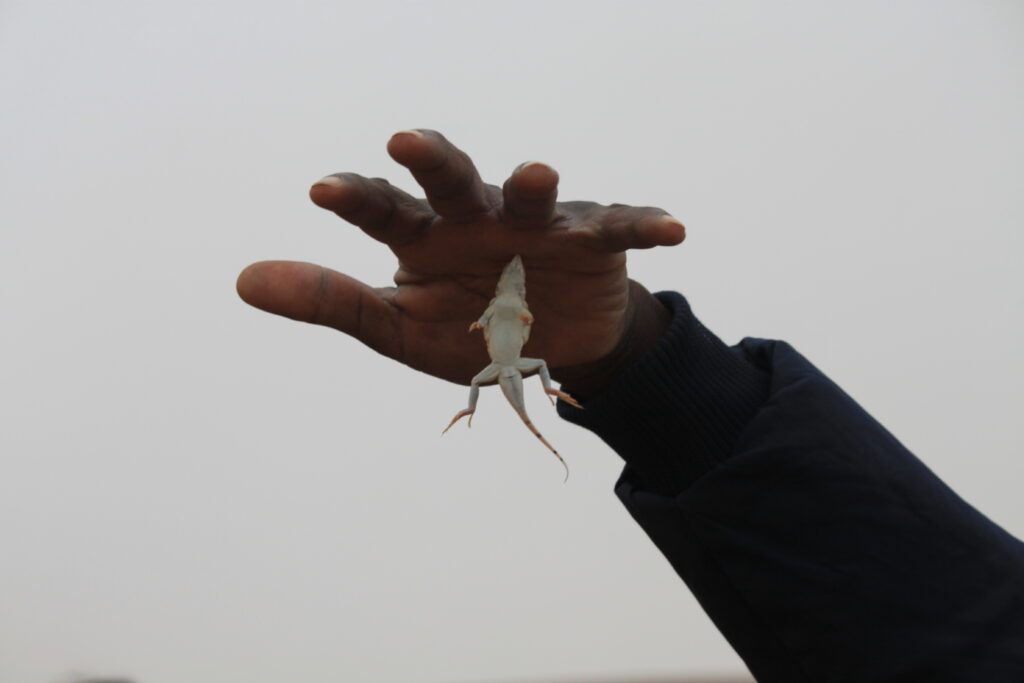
[451, 248]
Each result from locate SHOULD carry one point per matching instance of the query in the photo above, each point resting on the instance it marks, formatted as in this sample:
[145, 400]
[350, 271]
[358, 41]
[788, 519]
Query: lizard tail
[511, 382]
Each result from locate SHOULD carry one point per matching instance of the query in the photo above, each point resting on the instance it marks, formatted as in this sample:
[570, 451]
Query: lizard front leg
[488, 374]
[482, 323]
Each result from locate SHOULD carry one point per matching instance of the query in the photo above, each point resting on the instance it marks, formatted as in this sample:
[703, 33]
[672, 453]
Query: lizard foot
[461, 414]
[564, 396]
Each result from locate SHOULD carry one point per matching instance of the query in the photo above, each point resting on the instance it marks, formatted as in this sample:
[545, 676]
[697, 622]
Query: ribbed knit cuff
[675, 413]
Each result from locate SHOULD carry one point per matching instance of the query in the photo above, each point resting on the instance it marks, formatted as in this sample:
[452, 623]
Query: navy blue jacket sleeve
[820, 547]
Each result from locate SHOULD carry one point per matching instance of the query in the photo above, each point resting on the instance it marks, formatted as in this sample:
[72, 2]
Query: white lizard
[506, 325]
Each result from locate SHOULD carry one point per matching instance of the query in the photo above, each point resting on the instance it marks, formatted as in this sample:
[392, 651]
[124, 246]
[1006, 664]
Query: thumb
[318, 295]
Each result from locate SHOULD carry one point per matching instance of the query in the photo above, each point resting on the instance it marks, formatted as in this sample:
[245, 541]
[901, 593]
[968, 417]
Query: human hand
[590, 318]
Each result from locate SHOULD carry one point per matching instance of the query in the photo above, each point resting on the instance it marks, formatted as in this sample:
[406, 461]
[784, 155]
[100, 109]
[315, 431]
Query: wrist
[676, 412]
[645, 321]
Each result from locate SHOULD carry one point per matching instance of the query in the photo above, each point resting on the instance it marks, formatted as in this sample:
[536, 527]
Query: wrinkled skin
[451, 248]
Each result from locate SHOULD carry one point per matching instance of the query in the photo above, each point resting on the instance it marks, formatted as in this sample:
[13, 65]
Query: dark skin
[451, 247]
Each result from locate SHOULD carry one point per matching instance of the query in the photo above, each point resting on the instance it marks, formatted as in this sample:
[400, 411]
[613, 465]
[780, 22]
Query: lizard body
[506, 327]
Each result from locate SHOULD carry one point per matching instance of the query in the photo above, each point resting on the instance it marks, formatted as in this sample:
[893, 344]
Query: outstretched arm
[820, 547]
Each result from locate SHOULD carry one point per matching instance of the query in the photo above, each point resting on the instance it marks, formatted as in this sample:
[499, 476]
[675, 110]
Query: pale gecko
[506, 326]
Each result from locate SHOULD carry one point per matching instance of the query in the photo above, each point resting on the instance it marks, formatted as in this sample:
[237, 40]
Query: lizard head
[513, 278]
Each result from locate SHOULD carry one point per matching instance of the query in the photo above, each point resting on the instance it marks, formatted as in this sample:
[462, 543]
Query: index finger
[444, 171]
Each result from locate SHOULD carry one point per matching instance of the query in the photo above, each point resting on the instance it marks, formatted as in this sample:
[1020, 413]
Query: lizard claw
[564, 396]
[459, 416]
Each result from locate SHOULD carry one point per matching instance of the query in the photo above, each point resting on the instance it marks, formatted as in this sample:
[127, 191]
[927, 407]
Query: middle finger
[444, 171]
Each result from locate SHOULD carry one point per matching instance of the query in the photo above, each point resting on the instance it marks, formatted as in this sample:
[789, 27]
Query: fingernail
[409, 132]
[332, 180]
[672, 219]
[526, 164]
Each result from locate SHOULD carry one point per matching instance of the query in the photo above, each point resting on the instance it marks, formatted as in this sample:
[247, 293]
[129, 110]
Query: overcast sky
[193, 490]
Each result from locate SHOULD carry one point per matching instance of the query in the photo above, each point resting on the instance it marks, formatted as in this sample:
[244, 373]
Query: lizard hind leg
[531, 364]
[488, 374]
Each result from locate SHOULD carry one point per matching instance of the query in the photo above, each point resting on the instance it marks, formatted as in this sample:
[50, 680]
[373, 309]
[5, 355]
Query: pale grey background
[192, 490]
